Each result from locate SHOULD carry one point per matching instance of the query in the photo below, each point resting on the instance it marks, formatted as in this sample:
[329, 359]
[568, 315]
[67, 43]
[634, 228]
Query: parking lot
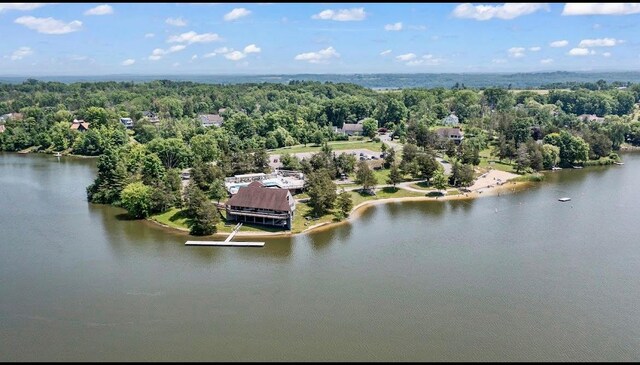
[274, 160]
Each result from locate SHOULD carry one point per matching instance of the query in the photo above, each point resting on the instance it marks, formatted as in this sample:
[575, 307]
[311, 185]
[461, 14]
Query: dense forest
[535, 130]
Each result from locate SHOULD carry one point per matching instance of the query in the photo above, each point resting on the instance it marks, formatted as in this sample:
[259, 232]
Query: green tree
[152, 170]
[344, 203]
[439, 180]
[173, 152]
[110, 181]
[369, 127]
[136, 199]
[394, 175]
[461, 174]
[365, 176]
[322, 192]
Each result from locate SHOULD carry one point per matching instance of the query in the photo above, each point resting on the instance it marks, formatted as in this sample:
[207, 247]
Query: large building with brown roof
[258, 204]
[79, 125]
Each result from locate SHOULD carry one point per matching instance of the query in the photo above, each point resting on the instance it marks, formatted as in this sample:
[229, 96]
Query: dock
[227, 241]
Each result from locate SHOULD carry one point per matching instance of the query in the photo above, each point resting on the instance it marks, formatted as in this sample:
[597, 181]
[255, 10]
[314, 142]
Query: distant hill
[374, 81]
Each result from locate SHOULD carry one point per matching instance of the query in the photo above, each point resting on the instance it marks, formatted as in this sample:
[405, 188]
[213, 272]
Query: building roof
[2, 128]
[255, 195]
[354, 127]
[77, 123]
[446, 132]
[214, 119]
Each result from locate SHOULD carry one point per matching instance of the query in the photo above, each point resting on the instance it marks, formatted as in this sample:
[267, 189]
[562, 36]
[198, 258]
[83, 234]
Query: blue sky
[272, 38]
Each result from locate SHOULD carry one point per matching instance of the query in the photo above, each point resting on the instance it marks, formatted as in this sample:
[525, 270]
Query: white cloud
[580, 52]
[322, 56]
[49, 25]
[100, 10]
[506, 11]
[158, 53]
[21, 53]
[546, 61]
[606, 54]
[516, 52]
[193, 37]
[342, 15]
[194, 57]
[384, 53]
[176, 22]
[559, 44]
[428, 60]
[601, 42]
[406, 57]
[535, 49]
[236, 13]
[207, 55]
[149, 35]
[128, 62]
[393, 27]
[223, 50]
[20, 6]
[252, 48]
[601, 8]
[235, 56]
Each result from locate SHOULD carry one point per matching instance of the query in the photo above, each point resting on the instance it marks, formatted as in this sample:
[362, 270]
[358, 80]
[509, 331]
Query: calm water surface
[515, 277]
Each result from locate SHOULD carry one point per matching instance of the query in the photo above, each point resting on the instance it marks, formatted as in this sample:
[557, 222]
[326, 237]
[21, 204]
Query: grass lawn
[486, 160]
[384, 193]
[175, 218]
[335, 145]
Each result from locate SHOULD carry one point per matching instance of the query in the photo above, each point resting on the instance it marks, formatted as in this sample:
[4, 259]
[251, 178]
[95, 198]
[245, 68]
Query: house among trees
[2, 128]
[591, 118]
[258, 204]
[127, 122]
[79, 125]
[12, 116]
[454, 134]
[153, 118]
[209, 120]
[352, 129]
[451, 119]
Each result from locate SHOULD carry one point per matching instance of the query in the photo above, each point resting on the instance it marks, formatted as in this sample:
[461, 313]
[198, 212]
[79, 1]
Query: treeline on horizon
[533, 80]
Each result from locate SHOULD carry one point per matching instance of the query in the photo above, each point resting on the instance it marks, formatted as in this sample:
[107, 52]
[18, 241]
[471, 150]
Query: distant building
[352, 129]
[79, 125]
[209, 120]
[127, 122]
[454, 134]
[258, 204]
[281, 179]
[590, 118]
[2, 128]
[451, 119]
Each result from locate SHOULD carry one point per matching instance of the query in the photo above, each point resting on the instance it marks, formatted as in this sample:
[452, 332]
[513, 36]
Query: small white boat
[58, 154]
[556, 168]
[564, 199]
[618, 163]
[577, 167]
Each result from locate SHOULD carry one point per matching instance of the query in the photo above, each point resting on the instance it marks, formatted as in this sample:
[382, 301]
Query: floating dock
[226, 242]
[564, 199]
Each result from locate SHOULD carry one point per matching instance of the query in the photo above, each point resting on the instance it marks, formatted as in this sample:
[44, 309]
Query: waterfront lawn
[384, 193]
[486, 161]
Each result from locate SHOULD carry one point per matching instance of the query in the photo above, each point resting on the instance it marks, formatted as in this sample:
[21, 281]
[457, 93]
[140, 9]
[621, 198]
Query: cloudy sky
[270, 38]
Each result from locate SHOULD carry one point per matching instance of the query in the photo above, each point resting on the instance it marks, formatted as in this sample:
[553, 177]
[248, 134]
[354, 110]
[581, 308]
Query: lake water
[517, 277]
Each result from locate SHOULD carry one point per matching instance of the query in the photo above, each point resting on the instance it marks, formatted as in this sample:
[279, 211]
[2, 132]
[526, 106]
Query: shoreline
[358, 210]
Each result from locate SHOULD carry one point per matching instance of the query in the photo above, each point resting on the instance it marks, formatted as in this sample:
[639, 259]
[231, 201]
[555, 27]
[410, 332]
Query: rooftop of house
[352, 126]
[216, 119]
[446, 132]
[257, 196]
[77, 123]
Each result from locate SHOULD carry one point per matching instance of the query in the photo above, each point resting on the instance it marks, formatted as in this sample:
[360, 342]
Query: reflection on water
[515, 277]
